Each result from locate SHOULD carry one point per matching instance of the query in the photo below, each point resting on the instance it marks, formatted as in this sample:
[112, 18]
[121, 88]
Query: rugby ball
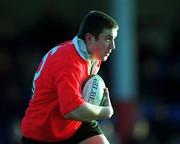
[93, 89]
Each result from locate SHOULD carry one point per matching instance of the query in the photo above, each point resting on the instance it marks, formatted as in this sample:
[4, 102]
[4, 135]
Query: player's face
[101, 48]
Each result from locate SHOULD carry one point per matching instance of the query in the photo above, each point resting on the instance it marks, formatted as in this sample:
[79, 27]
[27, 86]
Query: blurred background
[143, 73]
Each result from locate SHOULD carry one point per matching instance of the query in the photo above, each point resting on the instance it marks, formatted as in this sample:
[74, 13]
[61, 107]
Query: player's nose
[112, 45]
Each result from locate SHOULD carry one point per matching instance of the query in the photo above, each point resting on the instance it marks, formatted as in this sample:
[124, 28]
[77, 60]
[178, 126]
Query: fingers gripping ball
[93, 90]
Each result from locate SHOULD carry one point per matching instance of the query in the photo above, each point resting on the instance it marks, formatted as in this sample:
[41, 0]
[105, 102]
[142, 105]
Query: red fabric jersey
[56, 92]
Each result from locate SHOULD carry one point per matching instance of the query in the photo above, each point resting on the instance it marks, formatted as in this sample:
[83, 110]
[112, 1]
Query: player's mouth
[107, 54]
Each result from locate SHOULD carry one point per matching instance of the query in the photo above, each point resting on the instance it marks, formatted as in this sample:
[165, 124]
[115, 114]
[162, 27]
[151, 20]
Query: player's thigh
[97, 139]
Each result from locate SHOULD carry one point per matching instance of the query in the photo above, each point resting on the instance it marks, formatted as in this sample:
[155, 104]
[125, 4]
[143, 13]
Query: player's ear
[88, 38]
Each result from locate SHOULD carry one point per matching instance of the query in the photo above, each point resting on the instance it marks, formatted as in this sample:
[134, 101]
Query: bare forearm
[90, 112]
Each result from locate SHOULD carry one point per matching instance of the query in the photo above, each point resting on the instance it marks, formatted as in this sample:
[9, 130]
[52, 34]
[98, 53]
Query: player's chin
[104, 58]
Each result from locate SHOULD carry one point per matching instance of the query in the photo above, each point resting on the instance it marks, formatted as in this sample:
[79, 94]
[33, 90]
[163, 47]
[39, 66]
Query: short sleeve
[68, 82]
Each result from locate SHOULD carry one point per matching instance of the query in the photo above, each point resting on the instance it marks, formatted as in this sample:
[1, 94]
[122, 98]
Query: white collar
[81, 48]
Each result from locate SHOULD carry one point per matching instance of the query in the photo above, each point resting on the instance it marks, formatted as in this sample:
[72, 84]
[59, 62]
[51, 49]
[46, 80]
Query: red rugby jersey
[57, 91]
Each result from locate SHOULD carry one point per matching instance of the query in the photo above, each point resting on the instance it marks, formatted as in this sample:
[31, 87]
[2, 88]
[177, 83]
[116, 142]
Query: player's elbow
[110, 112]
[109, 115]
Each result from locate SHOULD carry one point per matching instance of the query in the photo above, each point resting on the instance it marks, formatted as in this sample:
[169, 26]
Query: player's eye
[108, 39]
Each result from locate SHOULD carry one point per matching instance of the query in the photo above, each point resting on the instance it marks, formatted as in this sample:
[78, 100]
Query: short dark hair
[95, 22]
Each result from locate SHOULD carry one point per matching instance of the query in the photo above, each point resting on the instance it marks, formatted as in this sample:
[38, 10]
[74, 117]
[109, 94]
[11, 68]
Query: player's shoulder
[66, 52]
[67, 43]
[64, 45]
[66, 48]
